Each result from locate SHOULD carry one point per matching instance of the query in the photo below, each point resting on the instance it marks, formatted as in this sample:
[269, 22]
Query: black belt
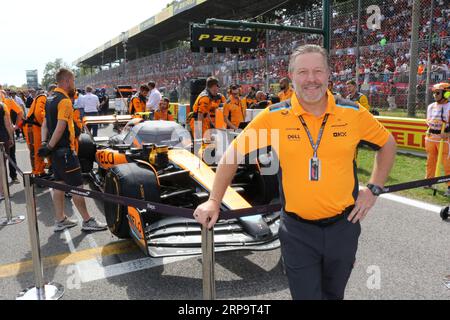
[326, 221]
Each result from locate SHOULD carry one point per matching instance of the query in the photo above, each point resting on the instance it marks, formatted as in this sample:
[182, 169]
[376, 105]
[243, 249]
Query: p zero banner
[222, 38]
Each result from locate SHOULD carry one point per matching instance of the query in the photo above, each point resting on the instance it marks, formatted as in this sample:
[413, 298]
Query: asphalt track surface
[403, 254]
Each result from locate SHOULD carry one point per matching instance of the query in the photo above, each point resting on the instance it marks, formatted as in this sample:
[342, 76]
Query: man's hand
[207, 213]
[44, 151]
[365, 202]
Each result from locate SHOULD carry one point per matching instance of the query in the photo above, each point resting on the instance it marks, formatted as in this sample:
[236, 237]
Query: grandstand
[158, 48]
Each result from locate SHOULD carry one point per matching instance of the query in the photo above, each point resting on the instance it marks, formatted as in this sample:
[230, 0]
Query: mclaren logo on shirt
[339, 134]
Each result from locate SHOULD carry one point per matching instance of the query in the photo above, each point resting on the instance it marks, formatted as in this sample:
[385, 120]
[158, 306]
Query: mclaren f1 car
[152, 161]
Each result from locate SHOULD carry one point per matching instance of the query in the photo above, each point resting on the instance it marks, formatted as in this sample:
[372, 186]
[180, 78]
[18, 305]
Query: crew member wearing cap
[33, 124]
[438, 114]
[316, 140]
[286, 90]
[163, 112]
[234, 110]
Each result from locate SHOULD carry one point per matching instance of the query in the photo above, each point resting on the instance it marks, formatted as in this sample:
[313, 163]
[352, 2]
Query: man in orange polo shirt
[286, 90]
[163, 112]
[58, 135]
[138, 102]
[202, 108]
[234, 110]
[320, 197]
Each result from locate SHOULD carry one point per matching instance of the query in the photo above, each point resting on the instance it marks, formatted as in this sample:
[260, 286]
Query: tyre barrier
[53, 291]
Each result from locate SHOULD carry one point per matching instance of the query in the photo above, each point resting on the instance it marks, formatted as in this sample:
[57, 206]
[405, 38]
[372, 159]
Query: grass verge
[406, 168]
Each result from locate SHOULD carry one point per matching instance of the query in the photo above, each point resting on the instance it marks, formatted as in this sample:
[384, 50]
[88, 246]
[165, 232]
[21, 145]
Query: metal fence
[379, 55]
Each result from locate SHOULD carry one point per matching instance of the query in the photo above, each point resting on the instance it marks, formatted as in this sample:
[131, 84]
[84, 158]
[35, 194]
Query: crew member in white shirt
[154, 97]
[90, 103]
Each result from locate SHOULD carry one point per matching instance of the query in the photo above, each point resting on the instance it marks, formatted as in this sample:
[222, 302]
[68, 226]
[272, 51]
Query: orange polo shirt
[348, 125]
[160, 115]
[65, 113]
[235, 110]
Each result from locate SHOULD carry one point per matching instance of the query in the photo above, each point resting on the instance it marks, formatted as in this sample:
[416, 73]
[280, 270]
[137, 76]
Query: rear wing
[118, 119]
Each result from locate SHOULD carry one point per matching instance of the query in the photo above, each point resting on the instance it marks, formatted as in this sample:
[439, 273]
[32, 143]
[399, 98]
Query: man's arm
[44, 131]
[384, 160]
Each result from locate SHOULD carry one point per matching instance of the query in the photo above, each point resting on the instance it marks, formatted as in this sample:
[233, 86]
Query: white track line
[412, 203]
[96, 272]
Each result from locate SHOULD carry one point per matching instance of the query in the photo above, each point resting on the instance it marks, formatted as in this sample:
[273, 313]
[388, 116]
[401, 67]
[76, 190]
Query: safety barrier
[52, 290]
[41, 290]
[9, 220]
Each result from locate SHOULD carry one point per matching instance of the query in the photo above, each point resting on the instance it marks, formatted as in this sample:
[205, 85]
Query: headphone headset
[446, 95]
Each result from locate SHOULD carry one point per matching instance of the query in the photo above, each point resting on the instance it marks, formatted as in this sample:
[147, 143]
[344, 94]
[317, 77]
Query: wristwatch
[376, 190]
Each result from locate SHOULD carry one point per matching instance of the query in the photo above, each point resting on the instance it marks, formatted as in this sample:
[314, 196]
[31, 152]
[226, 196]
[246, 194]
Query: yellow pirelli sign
[409, 133]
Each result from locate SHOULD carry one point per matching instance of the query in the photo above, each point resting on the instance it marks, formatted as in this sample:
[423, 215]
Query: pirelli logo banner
[223, 38]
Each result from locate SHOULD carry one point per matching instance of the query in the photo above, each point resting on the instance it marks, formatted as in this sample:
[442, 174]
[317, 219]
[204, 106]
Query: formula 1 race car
[151, 160]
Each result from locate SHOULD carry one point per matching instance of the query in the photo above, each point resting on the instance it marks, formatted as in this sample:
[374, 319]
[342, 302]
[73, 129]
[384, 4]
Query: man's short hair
[352, 82]
[63, 74]
[89, 89]
[144, 87]
[151, 84]
[212, 81]
[166, 99]
[308, 48]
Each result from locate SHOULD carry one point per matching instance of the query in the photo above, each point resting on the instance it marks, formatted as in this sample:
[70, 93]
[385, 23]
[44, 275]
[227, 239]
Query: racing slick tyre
[86, 152]
[128, 180]
[444, 213]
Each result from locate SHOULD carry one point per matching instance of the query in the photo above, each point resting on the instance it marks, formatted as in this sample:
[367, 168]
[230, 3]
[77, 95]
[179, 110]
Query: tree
[51, 68]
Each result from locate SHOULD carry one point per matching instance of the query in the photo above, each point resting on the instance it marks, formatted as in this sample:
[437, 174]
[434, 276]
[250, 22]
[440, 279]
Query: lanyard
[315, 146]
